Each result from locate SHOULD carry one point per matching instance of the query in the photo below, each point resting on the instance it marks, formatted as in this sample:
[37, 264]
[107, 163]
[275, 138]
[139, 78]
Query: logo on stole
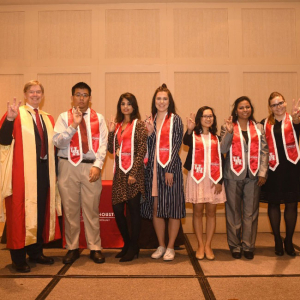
[74, 151]
[237, 160]
[198, 168]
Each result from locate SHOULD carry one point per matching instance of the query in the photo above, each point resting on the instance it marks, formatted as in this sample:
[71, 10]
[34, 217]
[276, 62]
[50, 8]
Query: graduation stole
[75, 147]
[237, 156]
[164, 141]
[126, 143]
[291, 147]
[200, 155]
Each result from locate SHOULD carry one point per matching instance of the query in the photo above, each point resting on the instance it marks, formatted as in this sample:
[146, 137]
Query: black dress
[283, 184]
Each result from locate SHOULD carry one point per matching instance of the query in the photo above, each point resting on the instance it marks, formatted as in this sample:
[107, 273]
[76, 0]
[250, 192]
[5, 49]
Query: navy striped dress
[171, 202]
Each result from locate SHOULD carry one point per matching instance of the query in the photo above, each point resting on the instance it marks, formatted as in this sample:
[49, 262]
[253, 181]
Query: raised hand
[296, 111]
[77, 117]
[13, 109]
[149, 125]
[111, 124]
[191, 122]
[229, 125]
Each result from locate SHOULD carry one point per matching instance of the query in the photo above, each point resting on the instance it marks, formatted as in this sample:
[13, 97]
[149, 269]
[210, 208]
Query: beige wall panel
[58, 91]
[64, 34]
[193, 90]
[12, 35]
[142, 85]
[200, 32]
[132, 33]
[259, 86]
[10, 86]
[269, 32]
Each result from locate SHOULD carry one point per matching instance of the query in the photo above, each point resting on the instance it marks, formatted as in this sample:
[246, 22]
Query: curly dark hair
[235, 106]
[198, 128]
[171, 108]
[132, 100]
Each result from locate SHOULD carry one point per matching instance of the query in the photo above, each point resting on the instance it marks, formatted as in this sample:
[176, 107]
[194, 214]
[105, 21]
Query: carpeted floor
[265, 277]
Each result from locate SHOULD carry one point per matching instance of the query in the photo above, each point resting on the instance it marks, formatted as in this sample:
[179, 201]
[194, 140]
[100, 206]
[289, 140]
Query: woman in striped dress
[163, 176]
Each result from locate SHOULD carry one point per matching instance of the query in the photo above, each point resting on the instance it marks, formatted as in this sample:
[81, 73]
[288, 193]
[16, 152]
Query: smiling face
[126, 107]
[207, 119]
[162, 102]
[34, 95]
[277, 106]
[243, 110]
[81, 98]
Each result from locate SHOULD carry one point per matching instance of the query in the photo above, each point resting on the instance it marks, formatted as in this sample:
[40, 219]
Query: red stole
[291, 147]
[200, 155]
[126, 143]
[164, 141]
[75, 147]
[237, 156]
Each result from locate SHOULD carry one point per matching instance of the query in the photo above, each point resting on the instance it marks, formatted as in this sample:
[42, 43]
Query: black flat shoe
[289, 249]
[279, 246]
[249, 254]
[44, 260]
[71, 256]
[236, 255]
[97, 256]
[22, 268]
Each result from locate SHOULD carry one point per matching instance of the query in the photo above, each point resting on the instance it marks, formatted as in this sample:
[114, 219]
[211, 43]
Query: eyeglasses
[78, 95]
[277, 104]
[35, 92]
[207, 117]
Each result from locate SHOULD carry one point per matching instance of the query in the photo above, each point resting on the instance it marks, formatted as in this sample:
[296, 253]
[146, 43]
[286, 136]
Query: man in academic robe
[80, 134]
[31, 217]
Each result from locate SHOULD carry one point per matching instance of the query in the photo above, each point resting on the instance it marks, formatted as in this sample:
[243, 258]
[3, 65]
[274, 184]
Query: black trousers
[35, 250]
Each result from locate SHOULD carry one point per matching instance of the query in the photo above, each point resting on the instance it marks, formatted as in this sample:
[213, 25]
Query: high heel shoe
[289, 248]
[123, 251]
[278, 246]
[131, 253]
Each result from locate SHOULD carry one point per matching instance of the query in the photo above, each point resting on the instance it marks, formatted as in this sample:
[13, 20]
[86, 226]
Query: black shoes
[71, 256]
[131, 253]
[248, 254]
[22, 268]
[123, 252]
[97, 256]
[278, 246]
[236, 255]
[44, 260]
[289, 248]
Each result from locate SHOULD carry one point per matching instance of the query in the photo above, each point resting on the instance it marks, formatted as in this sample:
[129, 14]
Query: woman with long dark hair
[163, 175]
[204, 180]
[245, 171]
[127, 141]
[283, 186]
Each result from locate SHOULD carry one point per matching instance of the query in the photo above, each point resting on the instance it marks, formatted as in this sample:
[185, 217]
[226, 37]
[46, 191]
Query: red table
[109, 232]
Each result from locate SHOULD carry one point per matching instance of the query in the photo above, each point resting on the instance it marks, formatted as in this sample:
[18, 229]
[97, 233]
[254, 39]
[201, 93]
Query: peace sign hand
[13, 109]
[111, 124]
[229, 125]
[191, 122]
[149, 125]
[296, 112]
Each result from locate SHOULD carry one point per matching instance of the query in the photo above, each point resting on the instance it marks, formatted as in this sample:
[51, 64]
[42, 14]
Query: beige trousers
[77, 192]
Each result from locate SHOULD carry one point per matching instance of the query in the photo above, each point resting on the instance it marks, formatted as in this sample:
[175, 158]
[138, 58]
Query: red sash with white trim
[291, 147]
[273, 155]
[75, 147]
[164, 141]
[126, 142]
[200, 155]
[237, 157]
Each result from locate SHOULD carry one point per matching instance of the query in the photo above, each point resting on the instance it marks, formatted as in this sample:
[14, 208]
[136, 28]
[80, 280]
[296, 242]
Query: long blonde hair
[271, 119]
